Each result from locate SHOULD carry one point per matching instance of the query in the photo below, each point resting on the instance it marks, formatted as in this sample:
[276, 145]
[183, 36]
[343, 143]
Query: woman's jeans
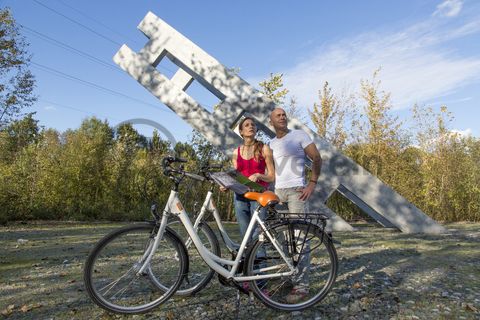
[244, 210]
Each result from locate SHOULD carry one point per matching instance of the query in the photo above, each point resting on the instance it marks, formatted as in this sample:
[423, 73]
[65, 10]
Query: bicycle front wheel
[313, 256]
[112, 275]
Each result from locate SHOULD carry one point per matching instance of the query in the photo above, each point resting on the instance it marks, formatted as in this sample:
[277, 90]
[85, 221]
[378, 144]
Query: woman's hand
[223, 189]
[254, 177]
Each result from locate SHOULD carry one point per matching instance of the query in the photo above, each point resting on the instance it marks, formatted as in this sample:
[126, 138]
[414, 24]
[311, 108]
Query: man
[289, 149]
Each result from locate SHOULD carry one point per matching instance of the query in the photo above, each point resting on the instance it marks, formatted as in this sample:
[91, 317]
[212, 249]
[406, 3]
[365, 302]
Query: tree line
[95, 172]
[90, 173]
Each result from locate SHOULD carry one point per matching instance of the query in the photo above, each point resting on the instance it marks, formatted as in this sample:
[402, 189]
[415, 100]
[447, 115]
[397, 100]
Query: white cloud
[417, 66]
[463, 133]
[449, 8]
[449, 102]
[49, 108]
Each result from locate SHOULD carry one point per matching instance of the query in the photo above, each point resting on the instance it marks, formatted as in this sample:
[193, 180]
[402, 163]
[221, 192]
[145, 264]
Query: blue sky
[429, 52]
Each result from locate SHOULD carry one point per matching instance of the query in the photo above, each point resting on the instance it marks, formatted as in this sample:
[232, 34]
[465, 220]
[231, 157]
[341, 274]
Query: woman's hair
[257, 150]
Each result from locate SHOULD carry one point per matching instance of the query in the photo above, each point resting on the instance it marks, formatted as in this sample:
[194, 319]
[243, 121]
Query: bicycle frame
[174, 207]
[208, 205]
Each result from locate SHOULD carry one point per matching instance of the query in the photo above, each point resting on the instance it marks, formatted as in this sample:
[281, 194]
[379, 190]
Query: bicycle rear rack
[316, 218]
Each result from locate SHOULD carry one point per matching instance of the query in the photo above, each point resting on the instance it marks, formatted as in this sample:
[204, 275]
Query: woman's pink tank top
[251, 166]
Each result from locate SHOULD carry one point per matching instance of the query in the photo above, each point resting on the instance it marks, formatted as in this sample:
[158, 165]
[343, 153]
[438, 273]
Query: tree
[17, 135]
[16, 81]
[271, 88]
[157, 145]
[380, 134]
[85, 158]
[205, 151]
[329, 116]
[18, 168]
[450, 167]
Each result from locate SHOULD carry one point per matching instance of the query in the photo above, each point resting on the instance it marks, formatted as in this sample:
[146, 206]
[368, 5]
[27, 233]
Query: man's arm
[312, 152]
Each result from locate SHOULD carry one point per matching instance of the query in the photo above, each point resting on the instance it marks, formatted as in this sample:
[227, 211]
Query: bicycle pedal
[241, 290]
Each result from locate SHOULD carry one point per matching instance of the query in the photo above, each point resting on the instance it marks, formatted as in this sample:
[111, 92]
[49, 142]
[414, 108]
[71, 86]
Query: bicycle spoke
[315, 264]
[117, 286]
[199, 273]
[113, 283]
[124, 289]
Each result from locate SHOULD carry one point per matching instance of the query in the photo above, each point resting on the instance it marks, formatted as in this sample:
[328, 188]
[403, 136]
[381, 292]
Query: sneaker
[296, 295]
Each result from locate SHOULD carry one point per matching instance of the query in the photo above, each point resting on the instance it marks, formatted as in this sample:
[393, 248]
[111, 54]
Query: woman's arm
[234, 158]
[234, 164]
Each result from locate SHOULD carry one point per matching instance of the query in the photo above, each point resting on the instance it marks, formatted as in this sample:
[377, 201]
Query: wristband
[314, 181]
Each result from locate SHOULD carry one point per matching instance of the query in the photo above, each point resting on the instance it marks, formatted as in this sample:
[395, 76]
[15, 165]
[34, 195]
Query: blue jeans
[244, 210]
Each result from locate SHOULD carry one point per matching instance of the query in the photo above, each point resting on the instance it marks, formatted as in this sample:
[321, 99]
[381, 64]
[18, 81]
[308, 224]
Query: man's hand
[254, 177]
[223, 189]
[307, 191]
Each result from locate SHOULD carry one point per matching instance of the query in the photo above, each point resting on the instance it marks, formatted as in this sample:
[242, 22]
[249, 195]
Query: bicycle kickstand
[237, 305]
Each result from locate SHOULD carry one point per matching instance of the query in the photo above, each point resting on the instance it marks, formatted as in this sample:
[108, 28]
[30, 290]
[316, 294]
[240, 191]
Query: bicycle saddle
[266, 198]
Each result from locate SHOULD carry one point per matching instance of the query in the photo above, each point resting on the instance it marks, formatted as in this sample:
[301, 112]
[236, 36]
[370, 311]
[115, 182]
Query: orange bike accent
[264, 198]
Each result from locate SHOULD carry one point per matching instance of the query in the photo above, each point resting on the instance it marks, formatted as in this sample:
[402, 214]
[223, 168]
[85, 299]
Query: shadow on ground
[383, 275]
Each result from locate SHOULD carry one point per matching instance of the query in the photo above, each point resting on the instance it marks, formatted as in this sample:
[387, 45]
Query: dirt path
[383, 275]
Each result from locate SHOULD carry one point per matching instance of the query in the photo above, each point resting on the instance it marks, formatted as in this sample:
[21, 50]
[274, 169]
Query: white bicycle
[138, 267]
[199, 273]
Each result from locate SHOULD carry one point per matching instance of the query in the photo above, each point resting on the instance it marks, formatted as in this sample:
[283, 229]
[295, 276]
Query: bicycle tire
[315, 254]
[125, 248]
[199, 273]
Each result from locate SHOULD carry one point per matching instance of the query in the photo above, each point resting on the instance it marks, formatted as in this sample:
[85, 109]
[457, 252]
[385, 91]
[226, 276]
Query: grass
[42, 277]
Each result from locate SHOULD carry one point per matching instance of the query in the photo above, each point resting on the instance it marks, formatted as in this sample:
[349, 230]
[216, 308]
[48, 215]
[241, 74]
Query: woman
[254, 160]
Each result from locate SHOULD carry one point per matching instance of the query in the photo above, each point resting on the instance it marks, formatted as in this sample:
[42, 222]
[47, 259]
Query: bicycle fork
[153, 245]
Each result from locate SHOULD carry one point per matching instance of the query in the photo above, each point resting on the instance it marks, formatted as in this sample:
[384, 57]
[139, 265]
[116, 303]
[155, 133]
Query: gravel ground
[383, 274]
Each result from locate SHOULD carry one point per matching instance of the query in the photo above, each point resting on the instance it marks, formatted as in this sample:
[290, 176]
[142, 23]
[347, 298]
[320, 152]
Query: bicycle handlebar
[214, 166]
[169, 160]
[194, 176]
[167, 170]
[208, 168]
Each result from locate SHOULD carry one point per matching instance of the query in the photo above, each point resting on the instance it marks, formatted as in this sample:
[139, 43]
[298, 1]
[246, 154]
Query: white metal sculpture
[237, 98]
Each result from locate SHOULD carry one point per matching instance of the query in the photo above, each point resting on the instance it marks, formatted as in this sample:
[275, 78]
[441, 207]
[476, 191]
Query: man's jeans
[290, 196]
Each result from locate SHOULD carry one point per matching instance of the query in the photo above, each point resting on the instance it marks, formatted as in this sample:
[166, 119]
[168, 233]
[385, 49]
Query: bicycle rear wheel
[313, 255]
[199, 273]
[111, 270]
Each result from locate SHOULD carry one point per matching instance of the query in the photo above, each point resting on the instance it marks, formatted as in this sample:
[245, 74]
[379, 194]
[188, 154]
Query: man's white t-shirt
[289, 158]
